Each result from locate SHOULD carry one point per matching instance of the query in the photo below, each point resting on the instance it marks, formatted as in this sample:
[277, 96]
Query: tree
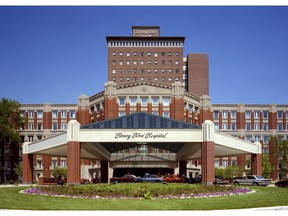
[56, 172]
[266, 166]
[282, 158]
[10, 141]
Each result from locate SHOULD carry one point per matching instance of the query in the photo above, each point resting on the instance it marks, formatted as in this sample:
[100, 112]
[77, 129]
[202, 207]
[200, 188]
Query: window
[113, 71]
[135, 62]
[156, 62]
[63, 126]
[248, 114]
[128, 54]
[224, 114]
[30, 114]
[121, 101]
[148, 53]
[224, 126]
[163, 62]
[248, 126]
[133, 101]
[120, 53]
[176, 62]
[169, 54]
[63, 163]
[142, 62]
[30, 126]
[216, 126]
[280, 126]
[265, 114]
[248, 138]
[265, 126]
[135, 53]
[163, 71]
[63, 114]
[113, 62]
[54, 164]
[166, 101]
[54, 126]
[155, 101]
[176, 53]
[216, 114]
[54, 114]
[155, 113]
[280, 114]
[256, 126]
[128, 62]
[257, 114]
[113, 53]
[233, 126]
[39, 126]
[144, 101]
[166, 114]
[39, 114]
[162, 53]
[233, 114]
[142, 54]
[156, 54]
[39, 164]
[72, 114]
[120, 62]
[122, 113]
[257, 138]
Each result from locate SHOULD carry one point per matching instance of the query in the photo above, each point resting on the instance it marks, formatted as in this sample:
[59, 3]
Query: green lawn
[10, 198]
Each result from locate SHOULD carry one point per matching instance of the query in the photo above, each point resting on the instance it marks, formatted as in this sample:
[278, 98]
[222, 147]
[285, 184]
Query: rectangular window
[122, 113]
[233, 114]
[257, 114]
[224, 114]
[166, 101]
[248, 126]
[128, 54]
[265, 114]
[156, 54]
[280, 114]
[248, 114]
[155, 101]
[257, 138]
[233, 126]
[265, 126]
[54, 126]
[224, 126]
[135, 53]
[144, 101]
[72, 114]
[249, 138]
[30, 126]
[63, 114]
[39, 114]
[30, 114]
[54, 114]
[256, 126]
[280, 126]
[155, 113]
[39, 126]
[63, 126]
[121, 101]
[133, 101]
[54, 164]
[39, 164]
[216, 114]
[216, 126]
[166, 114]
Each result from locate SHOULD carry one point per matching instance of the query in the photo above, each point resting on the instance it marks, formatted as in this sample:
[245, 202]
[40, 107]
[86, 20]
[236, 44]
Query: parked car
[173, 178]
[125, 178]
[252, 180]
[220, 181]
[149, 178]
[281, 183]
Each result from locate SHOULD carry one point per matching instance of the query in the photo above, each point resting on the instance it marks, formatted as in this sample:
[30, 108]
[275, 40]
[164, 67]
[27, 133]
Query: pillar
[256, 164]
[73, 153]
[104, 171]
[27, 169]
[46, 166]
[208, 153]
[183, 167]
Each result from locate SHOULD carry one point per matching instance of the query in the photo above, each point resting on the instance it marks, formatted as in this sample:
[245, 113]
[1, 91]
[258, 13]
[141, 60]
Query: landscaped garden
[143, 196]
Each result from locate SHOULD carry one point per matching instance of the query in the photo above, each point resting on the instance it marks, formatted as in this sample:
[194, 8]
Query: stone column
[256, 164]
[183, 167]
[104, 171]
[27, 168]
[73, 153]
[208, 153]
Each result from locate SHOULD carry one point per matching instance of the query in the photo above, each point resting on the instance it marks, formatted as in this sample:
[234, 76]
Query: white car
[252, 180]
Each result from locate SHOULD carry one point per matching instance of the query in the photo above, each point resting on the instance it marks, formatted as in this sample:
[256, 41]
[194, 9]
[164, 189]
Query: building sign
[146, 32]
[134, 136]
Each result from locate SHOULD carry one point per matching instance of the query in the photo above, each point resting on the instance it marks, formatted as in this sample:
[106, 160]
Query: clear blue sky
[55, 54]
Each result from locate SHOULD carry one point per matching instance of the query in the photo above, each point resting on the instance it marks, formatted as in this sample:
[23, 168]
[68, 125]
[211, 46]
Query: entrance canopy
[131, 138]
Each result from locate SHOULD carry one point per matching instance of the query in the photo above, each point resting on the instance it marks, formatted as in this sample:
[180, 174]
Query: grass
[10, 198]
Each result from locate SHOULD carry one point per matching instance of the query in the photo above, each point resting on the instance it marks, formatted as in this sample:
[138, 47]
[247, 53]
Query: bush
[56, 172]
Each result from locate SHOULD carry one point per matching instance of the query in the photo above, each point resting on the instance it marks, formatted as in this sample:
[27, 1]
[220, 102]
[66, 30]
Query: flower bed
[137, 191]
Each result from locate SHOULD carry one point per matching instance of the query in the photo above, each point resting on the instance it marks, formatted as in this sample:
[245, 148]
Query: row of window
[248, 114]
[145, 44]
[31, 113]
[248, 126]
[54, 126]
[149, 62]
[164, 113]
[114, 71]
[163, 79]
[144, 101]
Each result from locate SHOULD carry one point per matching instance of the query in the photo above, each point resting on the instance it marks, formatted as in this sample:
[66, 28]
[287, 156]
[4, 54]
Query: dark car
[281, 183]
[125, 178]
